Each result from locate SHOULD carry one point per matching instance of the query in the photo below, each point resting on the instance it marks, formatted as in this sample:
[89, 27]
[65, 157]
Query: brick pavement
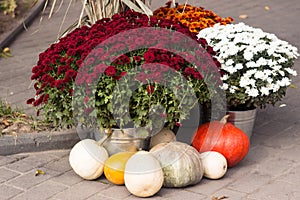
[271, 170]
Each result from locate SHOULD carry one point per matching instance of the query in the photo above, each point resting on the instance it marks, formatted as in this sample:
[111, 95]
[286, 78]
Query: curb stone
[11, 35]
[33, 142]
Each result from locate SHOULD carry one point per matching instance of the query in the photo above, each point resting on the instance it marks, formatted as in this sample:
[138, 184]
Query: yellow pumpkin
[114, 167]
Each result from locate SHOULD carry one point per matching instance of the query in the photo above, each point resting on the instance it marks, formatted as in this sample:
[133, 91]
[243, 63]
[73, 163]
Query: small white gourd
[143, 174]
[87, 159]
[214, 163]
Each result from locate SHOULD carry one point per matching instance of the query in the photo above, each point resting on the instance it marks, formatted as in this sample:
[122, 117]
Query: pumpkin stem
[224, 119]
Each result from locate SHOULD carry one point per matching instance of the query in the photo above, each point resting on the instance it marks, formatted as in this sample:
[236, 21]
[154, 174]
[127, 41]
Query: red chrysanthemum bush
[92, 70]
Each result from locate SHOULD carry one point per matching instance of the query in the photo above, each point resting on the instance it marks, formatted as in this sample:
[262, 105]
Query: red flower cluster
[60, 64]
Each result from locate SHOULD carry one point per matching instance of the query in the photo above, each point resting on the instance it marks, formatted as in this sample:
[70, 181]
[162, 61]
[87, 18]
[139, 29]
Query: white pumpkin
[165, 135]
[87, 159]
[143, 174]
[214, 163]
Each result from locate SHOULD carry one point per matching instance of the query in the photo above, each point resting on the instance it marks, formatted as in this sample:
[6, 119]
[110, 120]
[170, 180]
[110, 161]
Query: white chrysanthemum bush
[257, 66]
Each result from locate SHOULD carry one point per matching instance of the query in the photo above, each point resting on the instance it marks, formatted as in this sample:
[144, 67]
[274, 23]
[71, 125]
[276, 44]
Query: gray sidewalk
[271, 170]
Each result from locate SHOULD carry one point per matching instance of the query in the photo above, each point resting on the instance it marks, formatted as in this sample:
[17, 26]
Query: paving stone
[43, 158]
[59, 153]
[258, 139]
[97, 197]
[173, 193]
[30, 179]
[68, 178]
[8, 192]
[112, 192]
[292, 176]
[54, 198]
[275, 166]
[82, 190]
[290, 153]
[132, 197]
[249, 182]
[28, 163]
[18, 79]
[117, 192]
[164, 192]
[290, 116]
[61, 165]
[21, 166]
[255, 155]
[273, 128]
[6, 174]
[42, 191]
[17, 157]
[208, 187]
[10, 75]
[261, 121]
[14, 89]
[20, 98]
[282, 190]
[5, 160]
[230, 194]
[284, 140]
[240, 170]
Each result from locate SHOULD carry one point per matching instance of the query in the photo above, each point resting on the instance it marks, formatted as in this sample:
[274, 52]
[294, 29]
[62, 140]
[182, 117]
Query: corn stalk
[94, 10]
[98, 9]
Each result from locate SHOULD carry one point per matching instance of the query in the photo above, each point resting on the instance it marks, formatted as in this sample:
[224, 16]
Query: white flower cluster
[257, 58]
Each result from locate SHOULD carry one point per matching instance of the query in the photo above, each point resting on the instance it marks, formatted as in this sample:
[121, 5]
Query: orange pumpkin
[223, 137]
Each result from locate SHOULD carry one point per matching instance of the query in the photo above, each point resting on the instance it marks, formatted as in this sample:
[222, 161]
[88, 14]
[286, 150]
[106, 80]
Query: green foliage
[8, 7]
[6, 109]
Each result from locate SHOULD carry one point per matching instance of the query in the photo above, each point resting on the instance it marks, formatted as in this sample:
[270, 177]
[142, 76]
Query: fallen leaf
[5, 122]
[243, 16]
[293, 86]
[219, 198]
[267, 8]
[23, 115]
[39, 172]
[282, 105]
[6, 50]
[12, 128]
[5, 53]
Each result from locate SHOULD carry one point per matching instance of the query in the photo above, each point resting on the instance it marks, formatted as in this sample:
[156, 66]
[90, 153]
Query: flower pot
[129, 139]
[244, 120]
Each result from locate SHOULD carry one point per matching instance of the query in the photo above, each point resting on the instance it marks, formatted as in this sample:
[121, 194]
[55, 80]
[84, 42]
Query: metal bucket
[129, 139]
[244, 120]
